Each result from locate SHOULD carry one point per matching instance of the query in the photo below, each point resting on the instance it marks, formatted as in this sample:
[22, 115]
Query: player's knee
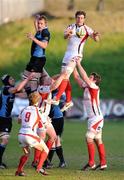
[98, 141]
[58, 141]
[44, 147]
[53, 138]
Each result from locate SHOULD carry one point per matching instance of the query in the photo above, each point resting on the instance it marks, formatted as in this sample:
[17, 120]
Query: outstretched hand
[68, 33]
[30, 36]
[96, 36]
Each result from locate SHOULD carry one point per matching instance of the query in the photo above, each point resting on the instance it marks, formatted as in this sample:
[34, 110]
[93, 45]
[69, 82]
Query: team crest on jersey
[80, 32]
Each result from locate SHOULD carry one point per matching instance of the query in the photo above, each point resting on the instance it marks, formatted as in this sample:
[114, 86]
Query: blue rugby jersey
[6, 102]
[36, 50]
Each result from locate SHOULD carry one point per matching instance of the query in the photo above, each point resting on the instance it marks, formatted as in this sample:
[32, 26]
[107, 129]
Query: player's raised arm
[77, 77]
[83, 73]
[21, 85]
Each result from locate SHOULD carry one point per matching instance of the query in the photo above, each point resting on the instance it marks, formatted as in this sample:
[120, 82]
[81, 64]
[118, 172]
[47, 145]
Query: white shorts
[69, 67]
[28, 139]
[95, 124]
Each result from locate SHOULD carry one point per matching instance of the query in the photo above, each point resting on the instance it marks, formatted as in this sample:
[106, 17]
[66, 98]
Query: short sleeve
[46, 35]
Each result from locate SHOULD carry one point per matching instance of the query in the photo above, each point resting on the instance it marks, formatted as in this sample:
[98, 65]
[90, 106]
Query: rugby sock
[51, 153]
[2, 149]
[91, 152]
[59, 152]
[49, 144]
[102, 156]
[42, 159]
[61, 88]
[68, 92]
[22, 162]
[37, 154]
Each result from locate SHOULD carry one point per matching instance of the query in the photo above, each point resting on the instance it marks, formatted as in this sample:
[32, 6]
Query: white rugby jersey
[77, 41]
[91, 100]
[30, 119]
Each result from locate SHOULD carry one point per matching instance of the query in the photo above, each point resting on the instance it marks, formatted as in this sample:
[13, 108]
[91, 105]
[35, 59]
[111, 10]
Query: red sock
[43, 157]
[61, 88]
[68, 92]
[102, 156]
[49, 144]
[91, 151]
[37, 154]
[22, 162]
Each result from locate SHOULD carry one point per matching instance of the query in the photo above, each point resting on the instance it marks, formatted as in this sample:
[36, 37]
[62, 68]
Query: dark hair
[80, 13]
[97, 77]
[5, 79]
[42, 17]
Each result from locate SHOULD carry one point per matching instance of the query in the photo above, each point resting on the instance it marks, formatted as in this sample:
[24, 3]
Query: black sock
[2, 149]
[51, 153]
[59, 152]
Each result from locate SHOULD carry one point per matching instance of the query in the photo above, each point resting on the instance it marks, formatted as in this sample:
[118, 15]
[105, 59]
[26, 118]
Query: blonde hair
[34, 98]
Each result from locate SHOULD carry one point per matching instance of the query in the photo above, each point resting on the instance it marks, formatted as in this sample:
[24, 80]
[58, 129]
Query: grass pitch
[75, 153]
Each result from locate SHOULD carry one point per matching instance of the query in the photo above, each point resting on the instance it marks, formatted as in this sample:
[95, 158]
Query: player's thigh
[68, 69]
[90, 135]
[42, 133]
[98, 137]
[50, 130]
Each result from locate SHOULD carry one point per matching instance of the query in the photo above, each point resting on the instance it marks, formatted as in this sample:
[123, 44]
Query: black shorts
[36, 64]
[5, 124]
[58, 125]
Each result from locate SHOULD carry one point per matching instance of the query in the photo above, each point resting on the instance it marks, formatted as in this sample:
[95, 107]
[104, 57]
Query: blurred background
[105, 57]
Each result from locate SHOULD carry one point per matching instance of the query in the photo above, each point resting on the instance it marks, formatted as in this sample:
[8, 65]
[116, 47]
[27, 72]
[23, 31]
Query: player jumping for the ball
[76, 34]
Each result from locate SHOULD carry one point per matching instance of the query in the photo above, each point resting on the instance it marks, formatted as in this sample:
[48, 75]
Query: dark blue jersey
[6, 102]
[36, 50]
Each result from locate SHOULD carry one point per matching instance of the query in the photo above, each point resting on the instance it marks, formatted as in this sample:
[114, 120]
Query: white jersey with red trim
[44, 91]
[30, 120]
[91, 101]
[77, 41]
